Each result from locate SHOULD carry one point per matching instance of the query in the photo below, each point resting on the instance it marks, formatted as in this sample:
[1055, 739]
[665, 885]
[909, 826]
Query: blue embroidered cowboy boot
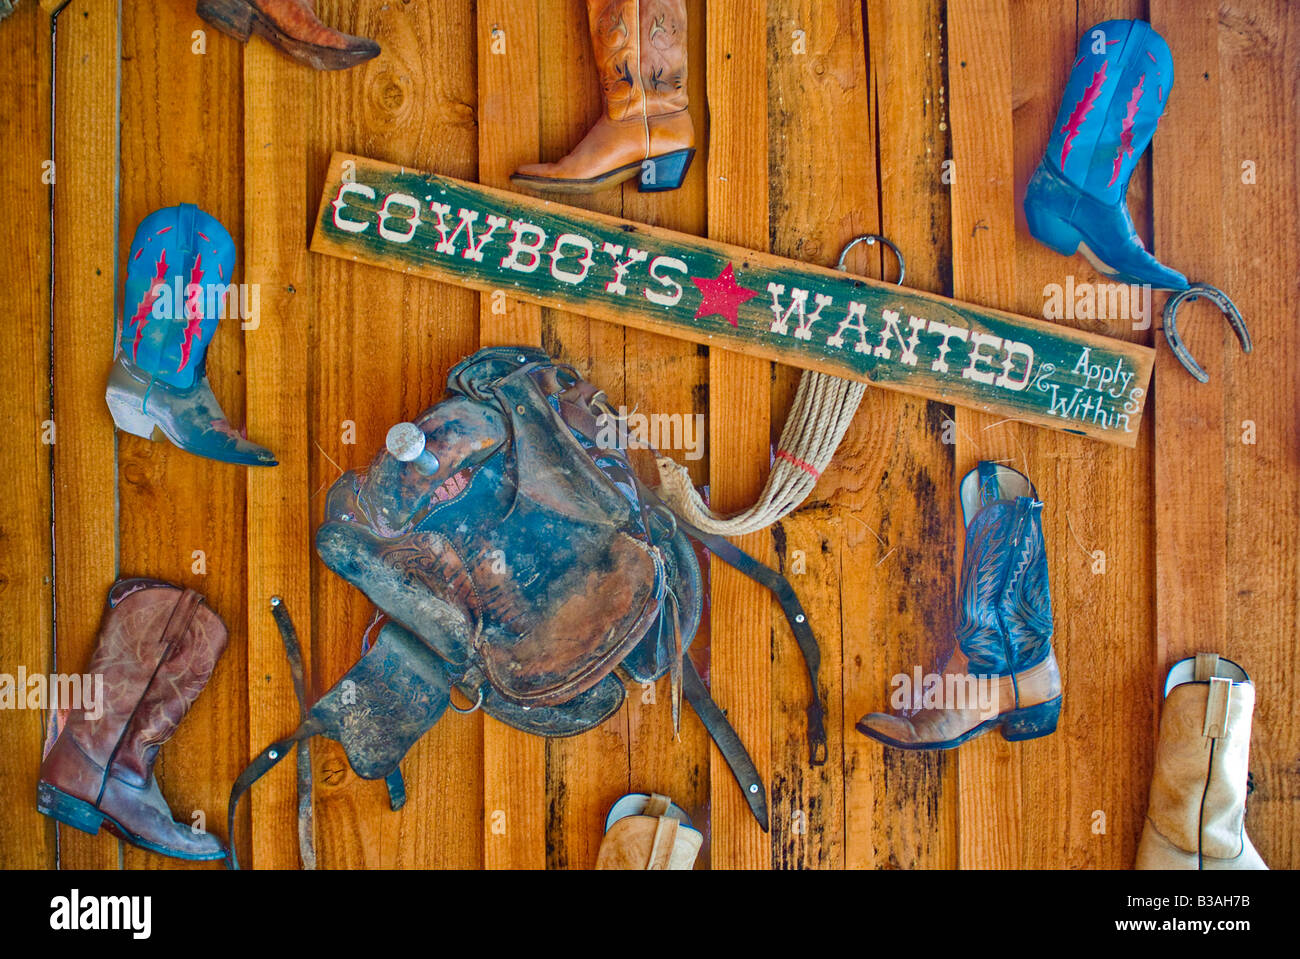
[177, 283]
[1113, 101]
[1002, 673]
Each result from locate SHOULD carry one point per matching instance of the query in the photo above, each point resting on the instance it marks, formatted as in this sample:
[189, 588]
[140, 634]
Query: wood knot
[333, 771]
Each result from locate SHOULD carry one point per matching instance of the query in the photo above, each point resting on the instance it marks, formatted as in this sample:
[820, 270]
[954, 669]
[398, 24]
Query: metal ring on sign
[472, 709]
[870, 240]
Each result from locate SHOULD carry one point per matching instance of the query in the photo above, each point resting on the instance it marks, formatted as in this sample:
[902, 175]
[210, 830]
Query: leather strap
[1207, 666]
[728, 743]
[186, 217]
[661, 850]
[657, 806]
[794, 614]
[396, 789]
[272, 754]
[293, 652]
[1216, 708]
[259, 767]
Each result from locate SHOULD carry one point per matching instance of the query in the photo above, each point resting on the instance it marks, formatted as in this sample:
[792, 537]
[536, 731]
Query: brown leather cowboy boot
[645, 129]
[158, 644]
[1002, 673]
[290, 25]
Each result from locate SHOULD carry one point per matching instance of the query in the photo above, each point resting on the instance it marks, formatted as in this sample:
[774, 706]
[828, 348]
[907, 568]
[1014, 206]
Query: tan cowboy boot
[292, 26]
[158, 644]
[645, 129]
[1197, 812]
[648, 832]
[1002, 673]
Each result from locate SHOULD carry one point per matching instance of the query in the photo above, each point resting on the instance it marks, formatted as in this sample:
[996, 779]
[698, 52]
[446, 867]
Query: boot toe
[888, 729]
[141, 816]
[535, 171]
[207, 846]
[366, 49]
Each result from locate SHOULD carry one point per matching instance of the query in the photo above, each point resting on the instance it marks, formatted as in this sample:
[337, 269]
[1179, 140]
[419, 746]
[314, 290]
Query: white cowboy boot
[1196, 816]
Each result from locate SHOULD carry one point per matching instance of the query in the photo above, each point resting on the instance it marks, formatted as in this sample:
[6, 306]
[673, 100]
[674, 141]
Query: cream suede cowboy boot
[648, 832]
[1196, 816]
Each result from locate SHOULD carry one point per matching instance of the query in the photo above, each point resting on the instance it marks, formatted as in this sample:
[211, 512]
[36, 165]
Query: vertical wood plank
[1259, 49]
[514, 763]
[821, 195]
[739, 423]
[664, 375]
[26, 559]
[1081, 485]
[1191, 522]
[279, 527]
[983, 266]
[1225, 506]
[1096, 500]
[179, 515]
[508, 136]
[584, 774]
[373, 326]
[894, 471]
[85, 495]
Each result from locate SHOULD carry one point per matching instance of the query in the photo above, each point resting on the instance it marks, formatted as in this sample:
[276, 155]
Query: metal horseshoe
[870, 239]
[1219, 299]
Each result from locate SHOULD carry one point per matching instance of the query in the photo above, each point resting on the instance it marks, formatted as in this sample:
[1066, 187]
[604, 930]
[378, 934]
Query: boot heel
[233, 17]
[68, 809]
[664, 172]
[1044, 194]
[1052, 231]
[1032, 721]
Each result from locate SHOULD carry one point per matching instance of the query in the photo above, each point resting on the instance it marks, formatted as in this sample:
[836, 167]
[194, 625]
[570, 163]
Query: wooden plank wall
[26, 559]
[1226, 530]
[918, 119]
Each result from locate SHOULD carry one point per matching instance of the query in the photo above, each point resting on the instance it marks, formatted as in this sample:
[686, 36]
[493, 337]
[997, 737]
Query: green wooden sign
[727, 296]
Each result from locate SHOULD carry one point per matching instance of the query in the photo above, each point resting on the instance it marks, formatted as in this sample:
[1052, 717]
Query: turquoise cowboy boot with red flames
[177, 288]
[1113, 101]
[1076, 199]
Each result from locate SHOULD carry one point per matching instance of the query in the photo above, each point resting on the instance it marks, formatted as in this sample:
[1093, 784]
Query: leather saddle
[517, 558]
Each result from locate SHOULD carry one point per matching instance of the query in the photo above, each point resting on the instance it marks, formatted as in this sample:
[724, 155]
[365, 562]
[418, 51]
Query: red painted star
[722, 297]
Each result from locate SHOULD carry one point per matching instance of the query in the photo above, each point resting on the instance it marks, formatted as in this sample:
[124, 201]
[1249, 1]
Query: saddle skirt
[521, 561]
